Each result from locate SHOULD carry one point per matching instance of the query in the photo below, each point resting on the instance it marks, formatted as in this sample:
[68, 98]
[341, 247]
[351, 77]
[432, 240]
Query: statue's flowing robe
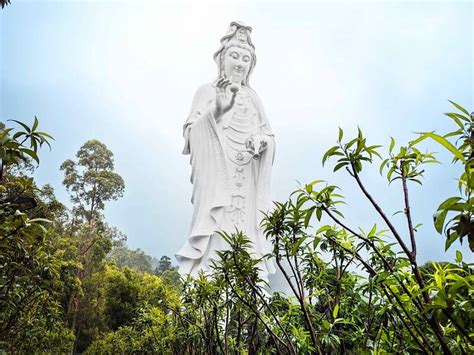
[212, 186]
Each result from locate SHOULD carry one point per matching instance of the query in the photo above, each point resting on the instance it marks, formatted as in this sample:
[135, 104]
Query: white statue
[232, 149]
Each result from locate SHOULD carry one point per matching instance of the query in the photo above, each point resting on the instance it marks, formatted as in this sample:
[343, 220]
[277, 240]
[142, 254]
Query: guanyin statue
[232, 148]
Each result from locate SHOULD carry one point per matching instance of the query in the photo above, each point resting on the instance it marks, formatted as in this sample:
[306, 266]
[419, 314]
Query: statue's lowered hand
[224, 100]
[256, 144]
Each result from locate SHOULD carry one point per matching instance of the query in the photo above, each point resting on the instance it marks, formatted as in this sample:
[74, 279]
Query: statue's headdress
[238, 35]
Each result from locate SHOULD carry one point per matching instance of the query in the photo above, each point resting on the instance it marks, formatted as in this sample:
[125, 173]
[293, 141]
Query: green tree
[34, 275]
[135, 307]
[91, 182]
[164, 264]
[461, 208]
[136, 259]
[21, 146]
[166, 270]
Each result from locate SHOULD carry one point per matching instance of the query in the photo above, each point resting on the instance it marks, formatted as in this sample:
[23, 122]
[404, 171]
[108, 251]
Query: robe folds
[211, 181]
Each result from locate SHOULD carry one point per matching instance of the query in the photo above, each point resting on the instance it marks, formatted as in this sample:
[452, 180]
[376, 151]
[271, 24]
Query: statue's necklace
[238, 127]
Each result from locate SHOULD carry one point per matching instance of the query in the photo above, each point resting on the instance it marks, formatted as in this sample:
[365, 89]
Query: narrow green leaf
[454, 134]
[309, 213]
[372, 231]
[319, 213]
[445, 143]
[374, 152]
[33, 144]
[448, 203]
[45, 135]
[35, 124]
[460, 207]
[422, 137]
[335, 311]
[390, 172]
[360, 145]
[316, 182]
[18, 135]
[382, 166]
[439, 221]
[31, 153]
[459, 107]
[456, 119]
[298, 243]
[392, 144]
[340, 165]
[341, 134]
[351, 143]
[316, 242]
[27, 129]
[329, 153]
[323, 229]
[451, 238]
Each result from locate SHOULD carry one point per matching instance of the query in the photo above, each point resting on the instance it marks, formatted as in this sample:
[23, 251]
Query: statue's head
[236, 56]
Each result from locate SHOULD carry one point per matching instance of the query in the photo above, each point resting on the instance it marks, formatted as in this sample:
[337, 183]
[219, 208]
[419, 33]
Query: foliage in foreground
[69, 282]
[352, 290]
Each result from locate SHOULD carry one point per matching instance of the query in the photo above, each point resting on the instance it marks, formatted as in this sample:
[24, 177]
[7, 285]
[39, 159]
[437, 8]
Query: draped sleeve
[209, 177]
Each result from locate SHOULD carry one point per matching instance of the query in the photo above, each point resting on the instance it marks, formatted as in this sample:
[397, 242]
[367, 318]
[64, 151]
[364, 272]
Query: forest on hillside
[70, 284]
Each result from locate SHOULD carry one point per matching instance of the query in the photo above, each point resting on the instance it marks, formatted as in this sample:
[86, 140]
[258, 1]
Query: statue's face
[237, 63]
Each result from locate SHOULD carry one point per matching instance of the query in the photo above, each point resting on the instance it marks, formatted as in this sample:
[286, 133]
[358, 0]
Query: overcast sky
[125, 73]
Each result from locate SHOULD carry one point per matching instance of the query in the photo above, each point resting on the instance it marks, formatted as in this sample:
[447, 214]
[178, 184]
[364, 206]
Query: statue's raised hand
[224, 100]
